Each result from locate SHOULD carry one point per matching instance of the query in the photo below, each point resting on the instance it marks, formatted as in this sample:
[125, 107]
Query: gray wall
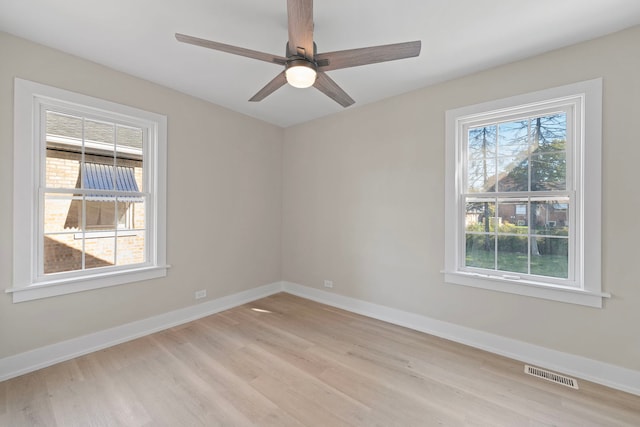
[224, 202]
[363, 205]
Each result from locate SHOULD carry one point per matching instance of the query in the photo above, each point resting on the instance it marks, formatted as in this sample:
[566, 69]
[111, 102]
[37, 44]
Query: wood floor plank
[287, 361]
[258, 409]
[27, 401]
[122, 401]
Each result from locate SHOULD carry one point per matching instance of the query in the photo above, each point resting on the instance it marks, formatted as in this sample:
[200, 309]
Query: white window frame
[584, 155]
[29, 159]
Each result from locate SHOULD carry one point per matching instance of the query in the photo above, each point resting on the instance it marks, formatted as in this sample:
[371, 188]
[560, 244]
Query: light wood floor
[286, 361]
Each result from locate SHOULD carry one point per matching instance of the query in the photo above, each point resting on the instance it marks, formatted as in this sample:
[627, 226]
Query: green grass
[514, 262]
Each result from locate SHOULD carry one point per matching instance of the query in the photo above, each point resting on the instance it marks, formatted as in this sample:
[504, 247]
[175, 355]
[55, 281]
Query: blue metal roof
[99, 176]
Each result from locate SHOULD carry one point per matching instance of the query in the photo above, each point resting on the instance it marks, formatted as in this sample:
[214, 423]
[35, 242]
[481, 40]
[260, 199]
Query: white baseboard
[588, 369]
[29, 361]
[598, 372]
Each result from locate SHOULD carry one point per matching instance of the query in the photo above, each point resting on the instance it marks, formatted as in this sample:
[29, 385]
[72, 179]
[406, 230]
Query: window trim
[29, 155]
[588, 289]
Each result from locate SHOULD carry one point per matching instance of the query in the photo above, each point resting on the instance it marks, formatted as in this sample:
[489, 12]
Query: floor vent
[551, 376]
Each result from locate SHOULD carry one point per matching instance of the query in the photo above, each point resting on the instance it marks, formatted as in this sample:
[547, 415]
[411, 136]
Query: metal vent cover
[551, 376]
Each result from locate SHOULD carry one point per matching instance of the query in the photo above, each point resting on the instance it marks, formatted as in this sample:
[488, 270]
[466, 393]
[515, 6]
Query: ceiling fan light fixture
[304, 67]
[301, 73]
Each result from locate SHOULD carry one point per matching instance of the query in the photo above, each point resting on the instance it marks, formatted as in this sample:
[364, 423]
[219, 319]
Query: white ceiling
[458, 37]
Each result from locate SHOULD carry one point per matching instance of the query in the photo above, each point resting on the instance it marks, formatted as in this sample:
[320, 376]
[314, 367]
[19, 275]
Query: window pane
[548, 171]
[546, 130]
[482, 142]
[62, 252]
[512, 254]
[513, 156]
[481, 153]
[513, 139]
[512, 216]
[550, 217]
[57, 208]
[481, 176]
[514, 173]
[132, 213]
[122, 214]
[64, 143]
[480, 251]
[548, 157]
[100, 136]
[62, 169]
[129, 139]
[138, 173]
[480, 215]
[101, 215]
[131, 248]
[99, 250]
[63, 126]
[129, 146]
[550, 257]
[97, 176]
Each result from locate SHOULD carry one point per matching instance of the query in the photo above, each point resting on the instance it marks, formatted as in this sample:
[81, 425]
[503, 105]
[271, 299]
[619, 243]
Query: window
[523, 194]
[89, 193]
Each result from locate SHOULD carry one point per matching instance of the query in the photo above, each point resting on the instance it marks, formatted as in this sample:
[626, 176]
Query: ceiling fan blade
[367, 55]
[330, 88]
[274, 59]
[275, 84]
[300, 18]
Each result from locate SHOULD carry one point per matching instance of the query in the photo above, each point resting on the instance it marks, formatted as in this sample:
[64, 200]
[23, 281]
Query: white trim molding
[591, 370]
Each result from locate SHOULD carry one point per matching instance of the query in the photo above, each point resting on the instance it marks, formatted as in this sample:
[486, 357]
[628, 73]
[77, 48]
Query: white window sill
[65, 286]
[530, 289]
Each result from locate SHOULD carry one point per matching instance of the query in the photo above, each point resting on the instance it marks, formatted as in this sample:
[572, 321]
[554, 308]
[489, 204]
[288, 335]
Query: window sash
[526, 198]
[60, 107]
[569, 107]
[563, 106]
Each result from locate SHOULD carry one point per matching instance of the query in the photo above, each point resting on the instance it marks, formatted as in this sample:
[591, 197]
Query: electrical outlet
[201, 294]
[328, 284]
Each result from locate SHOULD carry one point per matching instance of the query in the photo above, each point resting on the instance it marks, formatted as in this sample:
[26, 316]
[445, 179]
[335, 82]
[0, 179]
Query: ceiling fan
[303, 66]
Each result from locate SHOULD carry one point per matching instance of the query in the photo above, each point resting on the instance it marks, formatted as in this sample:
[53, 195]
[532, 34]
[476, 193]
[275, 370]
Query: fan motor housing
[300, 62]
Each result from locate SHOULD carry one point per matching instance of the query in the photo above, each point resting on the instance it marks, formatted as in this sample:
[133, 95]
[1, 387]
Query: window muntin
[523, 200]
[80, 232]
